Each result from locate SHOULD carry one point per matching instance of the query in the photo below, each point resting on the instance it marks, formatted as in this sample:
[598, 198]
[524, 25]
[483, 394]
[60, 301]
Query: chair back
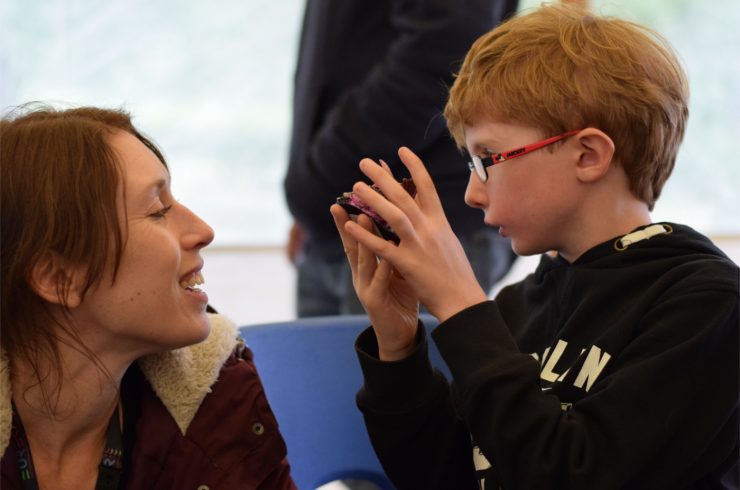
[311, 375]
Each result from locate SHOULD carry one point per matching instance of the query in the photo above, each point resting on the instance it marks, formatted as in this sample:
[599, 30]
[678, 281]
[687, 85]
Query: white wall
[257, 285]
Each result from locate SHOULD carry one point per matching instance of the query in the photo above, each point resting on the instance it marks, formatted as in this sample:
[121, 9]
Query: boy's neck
[602, 219]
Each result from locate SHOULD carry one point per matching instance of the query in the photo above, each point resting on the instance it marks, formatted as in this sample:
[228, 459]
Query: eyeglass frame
[479, 165]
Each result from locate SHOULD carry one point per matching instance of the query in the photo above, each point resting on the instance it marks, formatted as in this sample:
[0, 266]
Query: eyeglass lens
[477, 165]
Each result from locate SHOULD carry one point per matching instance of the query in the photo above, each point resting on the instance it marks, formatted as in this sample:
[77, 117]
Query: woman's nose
[199, 234]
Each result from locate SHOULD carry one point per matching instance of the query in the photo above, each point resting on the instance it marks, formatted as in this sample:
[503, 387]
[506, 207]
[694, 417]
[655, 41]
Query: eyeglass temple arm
[534, 146]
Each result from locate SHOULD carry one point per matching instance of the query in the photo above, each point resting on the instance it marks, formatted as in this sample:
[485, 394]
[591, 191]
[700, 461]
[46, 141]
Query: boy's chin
[526, 250]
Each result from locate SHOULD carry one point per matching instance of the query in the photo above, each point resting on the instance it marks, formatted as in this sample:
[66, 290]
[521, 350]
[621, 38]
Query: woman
[112, 373]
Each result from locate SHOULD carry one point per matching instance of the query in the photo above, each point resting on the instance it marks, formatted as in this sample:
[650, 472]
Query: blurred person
[372, 76]
[112, 373]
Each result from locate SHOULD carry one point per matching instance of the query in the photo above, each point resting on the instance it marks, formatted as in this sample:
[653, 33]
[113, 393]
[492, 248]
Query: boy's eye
[161, 213]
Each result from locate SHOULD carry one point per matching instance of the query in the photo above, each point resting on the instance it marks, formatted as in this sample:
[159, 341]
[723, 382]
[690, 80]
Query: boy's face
[534, 198]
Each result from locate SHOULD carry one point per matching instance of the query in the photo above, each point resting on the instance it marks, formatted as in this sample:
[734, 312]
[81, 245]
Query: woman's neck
[65, 420]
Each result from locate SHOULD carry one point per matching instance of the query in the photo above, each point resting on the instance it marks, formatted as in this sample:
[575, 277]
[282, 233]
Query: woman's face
[154, 303]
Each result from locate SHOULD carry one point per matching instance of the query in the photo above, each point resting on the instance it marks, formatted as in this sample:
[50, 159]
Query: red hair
[561, 68]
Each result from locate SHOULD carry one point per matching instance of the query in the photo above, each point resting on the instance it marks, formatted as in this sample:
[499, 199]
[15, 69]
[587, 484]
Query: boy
[614, 365]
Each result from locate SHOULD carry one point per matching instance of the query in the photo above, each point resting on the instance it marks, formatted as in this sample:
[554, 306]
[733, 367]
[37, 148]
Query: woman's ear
[56, 281]
[596, 153]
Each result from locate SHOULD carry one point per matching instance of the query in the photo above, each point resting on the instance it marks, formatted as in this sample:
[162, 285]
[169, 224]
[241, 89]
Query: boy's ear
[56, 281]
[596, 152]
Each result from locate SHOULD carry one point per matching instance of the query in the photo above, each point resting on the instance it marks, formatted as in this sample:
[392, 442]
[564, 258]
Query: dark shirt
[373, 76]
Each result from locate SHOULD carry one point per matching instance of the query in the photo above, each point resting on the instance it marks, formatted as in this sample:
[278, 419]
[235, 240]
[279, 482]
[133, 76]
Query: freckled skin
[146, 310]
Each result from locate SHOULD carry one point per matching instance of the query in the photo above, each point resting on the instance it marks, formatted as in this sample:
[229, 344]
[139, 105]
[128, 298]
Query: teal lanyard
[109, 470]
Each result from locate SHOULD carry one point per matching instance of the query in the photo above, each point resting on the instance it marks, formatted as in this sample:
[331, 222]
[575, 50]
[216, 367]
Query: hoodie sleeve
[665, 415]
[411, 421]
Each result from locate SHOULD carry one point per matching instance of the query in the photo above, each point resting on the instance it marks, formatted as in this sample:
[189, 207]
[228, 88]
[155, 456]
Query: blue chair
[311, 375]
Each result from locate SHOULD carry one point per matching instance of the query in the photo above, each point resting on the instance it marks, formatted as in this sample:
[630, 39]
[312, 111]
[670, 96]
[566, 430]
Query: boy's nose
[475, 192]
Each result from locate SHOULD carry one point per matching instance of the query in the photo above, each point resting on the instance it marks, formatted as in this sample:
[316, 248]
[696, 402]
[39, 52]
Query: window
[211, 83]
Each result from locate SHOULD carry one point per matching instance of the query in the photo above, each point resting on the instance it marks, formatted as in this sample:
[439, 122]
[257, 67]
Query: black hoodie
[619, 370]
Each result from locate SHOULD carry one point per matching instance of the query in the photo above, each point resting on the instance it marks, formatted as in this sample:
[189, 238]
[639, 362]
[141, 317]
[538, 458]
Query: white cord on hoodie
[621, 244]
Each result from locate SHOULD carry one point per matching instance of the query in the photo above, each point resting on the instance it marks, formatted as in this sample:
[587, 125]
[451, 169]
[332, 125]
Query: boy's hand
[387, 298]
[429, 256]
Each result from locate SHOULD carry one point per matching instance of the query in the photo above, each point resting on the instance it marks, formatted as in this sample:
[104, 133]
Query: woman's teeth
[192, 281]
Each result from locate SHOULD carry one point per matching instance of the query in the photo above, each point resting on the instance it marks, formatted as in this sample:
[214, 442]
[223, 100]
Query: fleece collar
[181, 378]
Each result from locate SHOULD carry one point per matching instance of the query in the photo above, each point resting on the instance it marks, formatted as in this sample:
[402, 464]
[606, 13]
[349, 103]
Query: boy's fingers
[378, 245]
[396, 197]
[385, 166]
[381, 279]
[348, 242]
[366, 261]
[426, 191]
[340, 218]
[399, 216]
[384, 271]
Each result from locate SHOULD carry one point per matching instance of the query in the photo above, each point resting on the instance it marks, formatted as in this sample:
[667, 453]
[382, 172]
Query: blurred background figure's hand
[296, 242]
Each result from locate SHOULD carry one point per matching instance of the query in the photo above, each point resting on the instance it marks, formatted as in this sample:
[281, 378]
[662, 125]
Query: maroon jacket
[232, 441]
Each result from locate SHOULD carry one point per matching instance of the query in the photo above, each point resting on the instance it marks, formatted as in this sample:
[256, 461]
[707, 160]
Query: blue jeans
[325, 283]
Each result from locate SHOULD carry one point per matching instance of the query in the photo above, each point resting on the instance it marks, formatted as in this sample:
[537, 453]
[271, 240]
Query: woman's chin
[204, 329]
[195, 332]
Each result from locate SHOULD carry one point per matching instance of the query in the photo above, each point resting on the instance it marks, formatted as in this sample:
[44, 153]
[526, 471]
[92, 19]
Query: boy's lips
[501, 228]
[489, 222]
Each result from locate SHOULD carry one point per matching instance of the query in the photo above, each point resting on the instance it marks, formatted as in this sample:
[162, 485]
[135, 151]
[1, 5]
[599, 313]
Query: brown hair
[60, 182]
[562, 68]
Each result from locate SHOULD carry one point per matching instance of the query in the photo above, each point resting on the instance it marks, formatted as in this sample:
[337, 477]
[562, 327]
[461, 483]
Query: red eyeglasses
[480, 164]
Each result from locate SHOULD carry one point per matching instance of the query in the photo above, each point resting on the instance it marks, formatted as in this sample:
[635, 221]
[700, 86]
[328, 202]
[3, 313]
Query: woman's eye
[161, 213]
